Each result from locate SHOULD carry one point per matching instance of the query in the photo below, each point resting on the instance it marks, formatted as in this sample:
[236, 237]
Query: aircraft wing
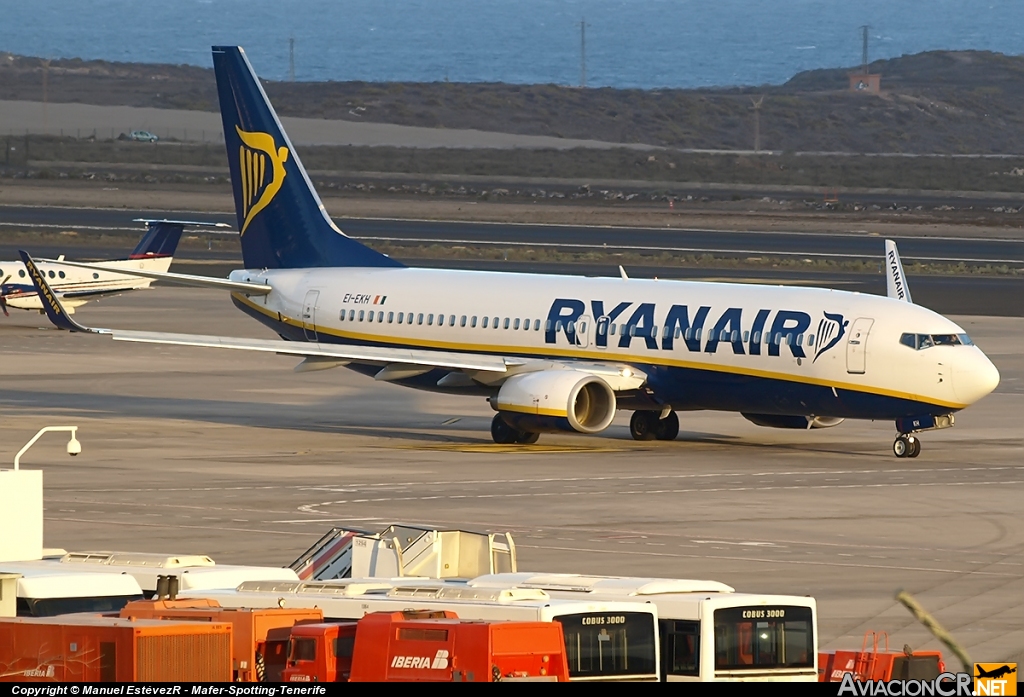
[182, 279]
[358, 354]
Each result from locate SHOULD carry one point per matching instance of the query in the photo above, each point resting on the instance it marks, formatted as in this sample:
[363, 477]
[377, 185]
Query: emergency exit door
[857, 346]
[309, 315]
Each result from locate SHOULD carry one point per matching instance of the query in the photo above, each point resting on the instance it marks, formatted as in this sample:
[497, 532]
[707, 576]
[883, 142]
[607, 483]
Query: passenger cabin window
[536, 325]
[516, 326]
[430, 320]
[507, 321]
[361, 315]
[486, 319]
[391, 317]
[351, 315]
[462, 323]
[473, 322]
[419, 318]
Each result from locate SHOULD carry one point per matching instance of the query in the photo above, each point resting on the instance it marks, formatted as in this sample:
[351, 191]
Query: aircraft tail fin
[162, 237]
[161, 240]
[895, 279]
[281, 220]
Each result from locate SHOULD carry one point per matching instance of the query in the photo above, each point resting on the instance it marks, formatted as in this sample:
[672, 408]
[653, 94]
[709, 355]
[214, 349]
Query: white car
[143, 136]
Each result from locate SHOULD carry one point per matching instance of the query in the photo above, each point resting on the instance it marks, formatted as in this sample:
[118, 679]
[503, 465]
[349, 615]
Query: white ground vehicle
[46, 593]
[194, 571]
[605, 640]
[707, 631]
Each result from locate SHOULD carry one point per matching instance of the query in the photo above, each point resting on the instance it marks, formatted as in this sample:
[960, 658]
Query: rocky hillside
[941, 101]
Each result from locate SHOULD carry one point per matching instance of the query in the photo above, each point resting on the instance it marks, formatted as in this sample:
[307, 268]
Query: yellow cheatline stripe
[597, 356]
[538, 411]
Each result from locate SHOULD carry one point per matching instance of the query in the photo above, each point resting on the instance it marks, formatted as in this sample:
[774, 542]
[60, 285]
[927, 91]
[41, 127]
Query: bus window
[607, 644]
[764, 637]
[680, 647]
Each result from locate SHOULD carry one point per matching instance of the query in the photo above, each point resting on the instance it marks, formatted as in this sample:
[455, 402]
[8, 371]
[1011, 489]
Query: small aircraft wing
[895, 279]
[362, 354]
[182, 279]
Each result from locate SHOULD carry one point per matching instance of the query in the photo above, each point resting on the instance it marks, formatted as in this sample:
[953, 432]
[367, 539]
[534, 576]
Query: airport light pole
[74, 447]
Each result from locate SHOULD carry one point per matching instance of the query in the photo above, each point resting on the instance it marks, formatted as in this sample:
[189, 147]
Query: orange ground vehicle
[260, 636]
[90, 648]
[426, 647]
[875, 664]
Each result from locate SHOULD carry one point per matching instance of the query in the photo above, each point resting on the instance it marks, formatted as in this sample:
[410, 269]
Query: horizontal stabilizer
[181, 279]
[895, 279]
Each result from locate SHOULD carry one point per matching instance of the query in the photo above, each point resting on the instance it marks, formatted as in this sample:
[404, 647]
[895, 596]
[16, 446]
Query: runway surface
[994, 295]
[839, 246]
[232, 454]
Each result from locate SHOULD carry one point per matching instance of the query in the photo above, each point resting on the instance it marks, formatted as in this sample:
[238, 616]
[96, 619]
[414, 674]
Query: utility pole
[583, 52]
[757, 121]
[291, 59]
[864, 53]
[46, 95]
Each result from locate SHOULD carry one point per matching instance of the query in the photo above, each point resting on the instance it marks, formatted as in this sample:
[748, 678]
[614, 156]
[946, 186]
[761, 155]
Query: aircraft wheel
[502, 433]
[915, 447]
[667, 428]
[643, 425]
[902, 446]
[527, 438]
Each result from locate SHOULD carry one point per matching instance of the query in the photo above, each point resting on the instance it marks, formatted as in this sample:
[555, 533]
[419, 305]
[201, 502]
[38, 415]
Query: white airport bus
[604, 640]
[56, 592]
[707, 630]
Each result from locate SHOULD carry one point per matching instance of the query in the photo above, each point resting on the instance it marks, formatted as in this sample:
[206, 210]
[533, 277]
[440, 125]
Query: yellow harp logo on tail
[261, 165]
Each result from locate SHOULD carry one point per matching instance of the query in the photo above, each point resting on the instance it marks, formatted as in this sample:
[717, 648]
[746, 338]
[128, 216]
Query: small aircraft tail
[281, 220]
[161, 239]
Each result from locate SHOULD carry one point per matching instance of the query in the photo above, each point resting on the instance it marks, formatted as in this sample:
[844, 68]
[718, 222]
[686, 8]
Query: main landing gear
[648, 425]
[503, 434]
[906, 445]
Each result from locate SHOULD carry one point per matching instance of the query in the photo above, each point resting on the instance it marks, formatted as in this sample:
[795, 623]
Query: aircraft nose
[974, 377]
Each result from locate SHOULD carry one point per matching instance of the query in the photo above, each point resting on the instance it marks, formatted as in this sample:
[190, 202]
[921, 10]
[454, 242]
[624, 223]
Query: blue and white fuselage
[734, 347]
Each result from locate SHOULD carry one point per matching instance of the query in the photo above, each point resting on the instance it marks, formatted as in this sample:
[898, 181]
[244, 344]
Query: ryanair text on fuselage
[626, 321]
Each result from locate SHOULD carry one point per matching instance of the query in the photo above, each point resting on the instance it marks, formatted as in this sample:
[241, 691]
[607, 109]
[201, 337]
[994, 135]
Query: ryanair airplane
[563, 353]
[77, 284]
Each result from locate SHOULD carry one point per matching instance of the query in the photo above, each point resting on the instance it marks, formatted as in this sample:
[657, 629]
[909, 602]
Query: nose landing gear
[906, 445]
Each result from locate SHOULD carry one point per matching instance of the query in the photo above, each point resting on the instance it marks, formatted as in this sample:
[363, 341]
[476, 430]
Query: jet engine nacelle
[801, 422]
[556, 400]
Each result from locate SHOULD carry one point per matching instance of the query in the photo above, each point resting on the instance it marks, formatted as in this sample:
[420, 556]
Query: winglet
[51, 305]
[895, 279]
[622, 272]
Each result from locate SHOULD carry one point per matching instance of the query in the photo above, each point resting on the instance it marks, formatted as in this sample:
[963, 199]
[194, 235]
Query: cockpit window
[923, 341]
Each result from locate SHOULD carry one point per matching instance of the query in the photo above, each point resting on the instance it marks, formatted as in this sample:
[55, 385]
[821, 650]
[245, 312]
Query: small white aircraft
[76, 284]
[562, 353]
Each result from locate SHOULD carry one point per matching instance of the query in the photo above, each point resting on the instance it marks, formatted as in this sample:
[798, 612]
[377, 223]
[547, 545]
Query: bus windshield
[609, 644]
[762, 637]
